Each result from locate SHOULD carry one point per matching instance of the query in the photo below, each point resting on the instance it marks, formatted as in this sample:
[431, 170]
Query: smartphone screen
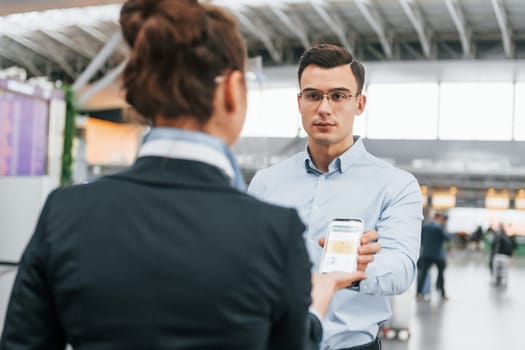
[341, 243]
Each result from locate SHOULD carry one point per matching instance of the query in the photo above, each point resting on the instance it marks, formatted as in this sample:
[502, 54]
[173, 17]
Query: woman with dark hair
[172, 254]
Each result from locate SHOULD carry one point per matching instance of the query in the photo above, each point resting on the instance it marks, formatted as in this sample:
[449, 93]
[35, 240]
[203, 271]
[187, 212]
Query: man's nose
[324, 106]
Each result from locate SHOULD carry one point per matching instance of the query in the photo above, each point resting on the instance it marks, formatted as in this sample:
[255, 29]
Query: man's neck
[323, 154]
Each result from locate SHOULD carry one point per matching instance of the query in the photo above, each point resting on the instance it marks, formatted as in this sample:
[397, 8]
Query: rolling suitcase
[500, 270]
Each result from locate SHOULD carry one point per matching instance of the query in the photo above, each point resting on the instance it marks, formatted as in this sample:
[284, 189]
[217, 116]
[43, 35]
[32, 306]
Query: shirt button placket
[318, 192]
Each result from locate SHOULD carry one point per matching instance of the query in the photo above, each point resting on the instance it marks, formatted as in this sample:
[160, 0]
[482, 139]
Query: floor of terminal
[477, 315]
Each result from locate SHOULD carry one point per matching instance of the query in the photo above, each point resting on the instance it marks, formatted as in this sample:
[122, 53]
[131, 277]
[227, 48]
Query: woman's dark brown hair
[178, 48]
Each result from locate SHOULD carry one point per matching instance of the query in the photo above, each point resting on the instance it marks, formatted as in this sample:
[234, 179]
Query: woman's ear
[234, 91]
[229, 108]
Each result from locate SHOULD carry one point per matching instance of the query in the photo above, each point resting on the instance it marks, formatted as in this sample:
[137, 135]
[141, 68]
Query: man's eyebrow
[334, 89]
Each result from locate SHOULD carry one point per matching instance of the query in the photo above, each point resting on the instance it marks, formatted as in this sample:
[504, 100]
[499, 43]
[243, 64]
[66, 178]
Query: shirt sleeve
[399, 231]
[31, 320]
[256, 187]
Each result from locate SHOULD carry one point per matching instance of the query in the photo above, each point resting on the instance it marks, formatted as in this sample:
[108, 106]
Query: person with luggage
[503, 243]
[501, 249]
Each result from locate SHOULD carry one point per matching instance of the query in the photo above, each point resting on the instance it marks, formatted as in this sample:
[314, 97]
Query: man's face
[330, 122]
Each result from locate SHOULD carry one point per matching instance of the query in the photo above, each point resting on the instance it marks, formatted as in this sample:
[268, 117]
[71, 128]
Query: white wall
[21, 199]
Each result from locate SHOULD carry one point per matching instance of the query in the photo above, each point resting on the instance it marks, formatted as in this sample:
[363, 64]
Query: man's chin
[320, 140]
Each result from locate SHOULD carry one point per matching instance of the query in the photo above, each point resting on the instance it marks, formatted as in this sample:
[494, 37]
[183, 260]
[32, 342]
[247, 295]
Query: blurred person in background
[172, 254]
[502, 243]
[433, 252]
[477, 237]
[335, 177]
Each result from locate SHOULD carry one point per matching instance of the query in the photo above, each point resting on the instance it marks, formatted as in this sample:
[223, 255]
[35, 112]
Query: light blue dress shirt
[357, 185]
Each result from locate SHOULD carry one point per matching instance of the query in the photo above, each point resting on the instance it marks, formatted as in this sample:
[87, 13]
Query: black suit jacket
[165, 255]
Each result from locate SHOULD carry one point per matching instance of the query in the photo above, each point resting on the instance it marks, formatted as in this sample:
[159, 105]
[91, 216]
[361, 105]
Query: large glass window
[402, 111]
[272, 113]
[519, 112]
[476, 111]
[360, 121]
[450, 111]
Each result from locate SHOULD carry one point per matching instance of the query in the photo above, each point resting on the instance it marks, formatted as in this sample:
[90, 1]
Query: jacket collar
[169, 172]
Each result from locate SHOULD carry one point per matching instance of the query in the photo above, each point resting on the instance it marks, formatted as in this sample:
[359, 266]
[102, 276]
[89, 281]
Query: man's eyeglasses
[316, 96]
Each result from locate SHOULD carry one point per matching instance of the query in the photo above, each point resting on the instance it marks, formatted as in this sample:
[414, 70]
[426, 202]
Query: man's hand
[369, 247]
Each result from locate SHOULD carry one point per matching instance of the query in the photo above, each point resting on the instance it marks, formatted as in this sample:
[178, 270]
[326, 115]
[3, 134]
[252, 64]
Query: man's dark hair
[330, 56]
[440, 215]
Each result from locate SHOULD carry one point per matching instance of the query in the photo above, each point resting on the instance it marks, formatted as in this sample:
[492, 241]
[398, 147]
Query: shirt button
[321, 178]
[314, 207]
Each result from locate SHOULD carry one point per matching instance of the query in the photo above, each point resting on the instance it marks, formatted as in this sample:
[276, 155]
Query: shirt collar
[187, 150]
[339, 164]
[195, 145]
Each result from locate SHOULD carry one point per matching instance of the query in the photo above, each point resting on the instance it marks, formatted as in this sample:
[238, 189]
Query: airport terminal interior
[445, 91]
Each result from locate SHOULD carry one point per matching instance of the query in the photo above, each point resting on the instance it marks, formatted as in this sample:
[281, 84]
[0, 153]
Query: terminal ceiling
[61, 44]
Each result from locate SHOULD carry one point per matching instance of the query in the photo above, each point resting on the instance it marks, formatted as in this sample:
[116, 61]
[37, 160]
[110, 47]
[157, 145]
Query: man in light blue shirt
[335, 177]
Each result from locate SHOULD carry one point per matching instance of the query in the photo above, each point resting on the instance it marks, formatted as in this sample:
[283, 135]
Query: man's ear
[361, 103]
[234, 87]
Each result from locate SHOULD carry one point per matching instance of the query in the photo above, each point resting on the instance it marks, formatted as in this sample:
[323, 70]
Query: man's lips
[323, 124]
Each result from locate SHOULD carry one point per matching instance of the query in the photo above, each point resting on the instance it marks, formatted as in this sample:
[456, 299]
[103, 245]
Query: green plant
[66, 177]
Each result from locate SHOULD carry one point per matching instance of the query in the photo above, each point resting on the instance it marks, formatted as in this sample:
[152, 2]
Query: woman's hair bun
[178, 48]
[187, 16]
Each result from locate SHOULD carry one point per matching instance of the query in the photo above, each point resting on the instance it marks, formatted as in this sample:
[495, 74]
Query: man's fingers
[365, 259]
[370, 248]
[321, 242]
[369, 236]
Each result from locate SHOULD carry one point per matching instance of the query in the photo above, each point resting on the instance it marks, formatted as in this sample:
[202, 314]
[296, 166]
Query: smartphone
[341, 243]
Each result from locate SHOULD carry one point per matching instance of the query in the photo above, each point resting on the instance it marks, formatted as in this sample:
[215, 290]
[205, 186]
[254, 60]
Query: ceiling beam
[465, 33]
[453, 53]
[415, 53]
[369, 11]
[101, 84]
[68, 43]
[504, 26]
[257, 29]
[95, 33]
[418, 22]
[47, 53]
[97, 62]
[375, 52]
[293, 25]
[333, 21]
[21, 59]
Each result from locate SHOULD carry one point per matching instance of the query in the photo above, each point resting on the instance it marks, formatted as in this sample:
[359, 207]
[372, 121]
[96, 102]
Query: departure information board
[23, 133]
